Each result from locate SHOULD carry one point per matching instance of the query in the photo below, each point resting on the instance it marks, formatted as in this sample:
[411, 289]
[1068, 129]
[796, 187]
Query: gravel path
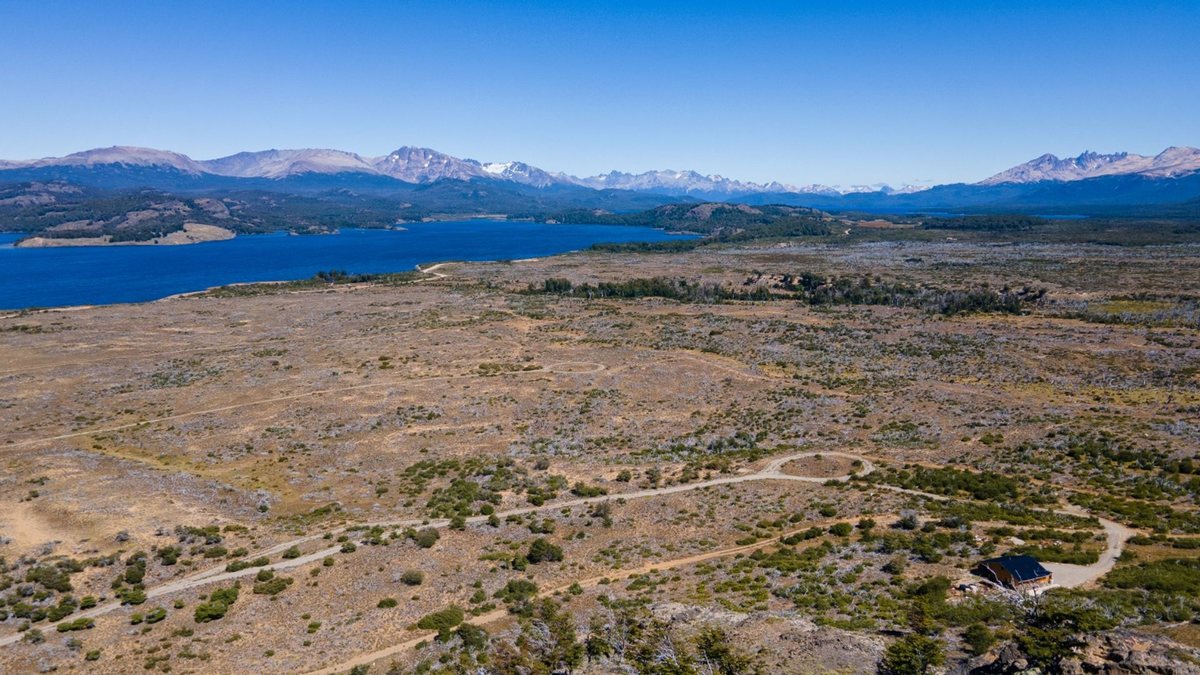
[1064, 575]
[1073, 576]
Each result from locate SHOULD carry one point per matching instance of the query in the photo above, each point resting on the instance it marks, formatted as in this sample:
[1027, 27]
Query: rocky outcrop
[1113, 653]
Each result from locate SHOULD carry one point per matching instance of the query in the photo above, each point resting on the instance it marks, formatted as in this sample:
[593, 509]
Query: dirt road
[1065, 575]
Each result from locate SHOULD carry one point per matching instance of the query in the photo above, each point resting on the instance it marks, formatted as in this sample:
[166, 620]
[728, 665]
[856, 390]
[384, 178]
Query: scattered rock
[1115, 653]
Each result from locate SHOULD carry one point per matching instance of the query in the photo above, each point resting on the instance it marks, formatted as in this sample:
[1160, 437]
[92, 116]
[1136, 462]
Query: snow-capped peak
[520, 172]
[423, 165]
[1173, 161]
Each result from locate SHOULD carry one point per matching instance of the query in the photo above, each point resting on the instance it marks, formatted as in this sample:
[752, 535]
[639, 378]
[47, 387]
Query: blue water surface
[86, 275]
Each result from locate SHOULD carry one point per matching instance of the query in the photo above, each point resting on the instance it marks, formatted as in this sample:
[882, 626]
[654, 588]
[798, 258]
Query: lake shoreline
[57, 277]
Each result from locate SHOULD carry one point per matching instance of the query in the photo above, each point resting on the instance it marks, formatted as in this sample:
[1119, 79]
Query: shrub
[82, 623]
[272, 586]
[216, 552]
[51, 578]
[239, 565]
[516, 590]
[841, 529]
[387, 603]
[217, 605]
[132, 596]
[168, 555]
[62, 610]
[582, 489]
[442, 620]
[412, 577]
[225, 595]
[978, 638]
[292, 553]
[473, 637]
[155, 615]
[426, 538]
[210, 611]
[1174, 575]
[912, 655]
[543, 551]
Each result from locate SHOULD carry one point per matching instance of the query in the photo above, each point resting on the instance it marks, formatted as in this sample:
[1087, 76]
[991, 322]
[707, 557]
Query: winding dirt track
[218, 574]
[1073, 575]
[1067, 575]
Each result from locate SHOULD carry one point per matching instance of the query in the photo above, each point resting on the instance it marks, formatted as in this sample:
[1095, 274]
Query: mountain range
[407, 164]
[1169, 163]
[1088, 180]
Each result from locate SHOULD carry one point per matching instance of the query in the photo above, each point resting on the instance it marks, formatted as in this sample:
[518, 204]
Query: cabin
[1018, 572]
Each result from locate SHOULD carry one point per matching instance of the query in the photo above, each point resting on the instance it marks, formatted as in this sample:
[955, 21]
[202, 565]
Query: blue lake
[85, 275]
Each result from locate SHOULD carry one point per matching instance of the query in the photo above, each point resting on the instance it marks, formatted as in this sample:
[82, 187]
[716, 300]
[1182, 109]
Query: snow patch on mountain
[119, 154]
[1172, 162]
[520, 172]
[285, 163]
[423, 165]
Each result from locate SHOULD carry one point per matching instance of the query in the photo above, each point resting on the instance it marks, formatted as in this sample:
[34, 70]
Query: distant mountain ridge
[1172, 162]
[1091, 180]
[418, 166]
[285, 163]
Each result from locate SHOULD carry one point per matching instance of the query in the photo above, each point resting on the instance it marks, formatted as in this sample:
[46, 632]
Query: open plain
[602, 483]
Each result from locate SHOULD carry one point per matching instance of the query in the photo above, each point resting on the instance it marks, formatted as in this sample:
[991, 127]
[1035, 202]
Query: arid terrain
[482, 467]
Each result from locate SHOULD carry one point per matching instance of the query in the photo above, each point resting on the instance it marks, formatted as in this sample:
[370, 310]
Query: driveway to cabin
[1072, 576]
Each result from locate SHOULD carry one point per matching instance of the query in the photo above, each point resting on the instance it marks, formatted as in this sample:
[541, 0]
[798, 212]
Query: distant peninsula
[192, 233]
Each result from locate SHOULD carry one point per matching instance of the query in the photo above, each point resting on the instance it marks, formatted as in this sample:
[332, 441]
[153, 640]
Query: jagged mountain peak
[1173, 161]
[520, 172]
[422, 165]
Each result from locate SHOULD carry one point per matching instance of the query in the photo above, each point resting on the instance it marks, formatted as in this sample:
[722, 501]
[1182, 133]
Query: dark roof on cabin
[1021, 567]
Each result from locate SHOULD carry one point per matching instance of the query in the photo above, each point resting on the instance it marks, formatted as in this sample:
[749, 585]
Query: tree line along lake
[90, 275]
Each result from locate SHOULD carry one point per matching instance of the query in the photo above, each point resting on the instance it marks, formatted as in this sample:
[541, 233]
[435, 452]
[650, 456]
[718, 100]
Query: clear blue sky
[831, 92]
